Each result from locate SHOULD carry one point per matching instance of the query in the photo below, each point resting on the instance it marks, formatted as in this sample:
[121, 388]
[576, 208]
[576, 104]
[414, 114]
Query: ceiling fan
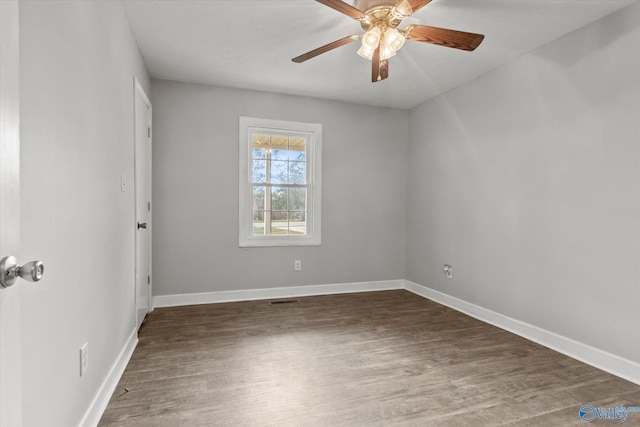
[382, 39]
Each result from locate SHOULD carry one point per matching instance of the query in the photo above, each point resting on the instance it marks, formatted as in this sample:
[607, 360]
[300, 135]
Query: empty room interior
[431, 217]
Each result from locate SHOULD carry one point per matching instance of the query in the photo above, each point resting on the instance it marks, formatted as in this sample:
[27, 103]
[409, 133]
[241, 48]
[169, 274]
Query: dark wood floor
[371, 359]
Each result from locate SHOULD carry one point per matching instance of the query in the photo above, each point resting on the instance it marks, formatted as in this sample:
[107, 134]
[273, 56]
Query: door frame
[139, 90]
[10, 298]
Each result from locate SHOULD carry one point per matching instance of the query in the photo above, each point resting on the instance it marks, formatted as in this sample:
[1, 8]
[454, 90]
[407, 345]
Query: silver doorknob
[10, 271]
[142, 225]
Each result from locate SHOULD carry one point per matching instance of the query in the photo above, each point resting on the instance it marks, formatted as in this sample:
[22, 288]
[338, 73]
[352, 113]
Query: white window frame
[313, 132]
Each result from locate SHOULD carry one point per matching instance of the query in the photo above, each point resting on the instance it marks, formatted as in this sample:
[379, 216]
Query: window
[280, 181]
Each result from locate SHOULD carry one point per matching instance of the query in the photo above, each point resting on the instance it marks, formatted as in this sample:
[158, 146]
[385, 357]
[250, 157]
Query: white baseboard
[103, 395]
[618, 366]
[282, 292]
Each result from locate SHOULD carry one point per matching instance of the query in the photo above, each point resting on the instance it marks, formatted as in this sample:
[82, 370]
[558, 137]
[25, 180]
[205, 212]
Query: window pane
[297, 199]
[259, 153]
[279, 155]
[259, 171]
[280, 147]
[297, 173]
[258, 198]
[299, 156]
[258, 223]
[297, 223]
[298, 149]
[279, 142]
[279, 199]
[260, 144]
[279, 172]
[279, 223]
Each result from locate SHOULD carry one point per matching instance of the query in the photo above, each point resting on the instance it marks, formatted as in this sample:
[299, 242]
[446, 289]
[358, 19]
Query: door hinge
[148, 280]
[149, 206]
[149, 132]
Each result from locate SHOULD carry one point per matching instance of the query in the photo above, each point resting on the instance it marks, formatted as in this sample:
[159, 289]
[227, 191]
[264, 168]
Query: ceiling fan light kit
[390, 42]
[382, 39]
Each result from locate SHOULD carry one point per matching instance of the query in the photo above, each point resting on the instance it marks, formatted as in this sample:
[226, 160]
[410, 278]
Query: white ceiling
[249, 44]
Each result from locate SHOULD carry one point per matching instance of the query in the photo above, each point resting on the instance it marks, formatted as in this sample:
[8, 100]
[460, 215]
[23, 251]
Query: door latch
[10, 271]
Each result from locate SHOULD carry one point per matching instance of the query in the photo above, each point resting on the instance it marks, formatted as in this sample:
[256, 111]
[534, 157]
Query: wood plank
[379, 358]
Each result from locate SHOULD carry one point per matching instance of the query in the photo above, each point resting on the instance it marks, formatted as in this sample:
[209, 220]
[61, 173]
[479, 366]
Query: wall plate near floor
[84, 358]
[448, 271]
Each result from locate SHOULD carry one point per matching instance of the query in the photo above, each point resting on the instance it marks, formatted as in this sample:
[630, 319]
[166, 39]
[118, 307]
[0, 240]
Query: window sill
[262, 242]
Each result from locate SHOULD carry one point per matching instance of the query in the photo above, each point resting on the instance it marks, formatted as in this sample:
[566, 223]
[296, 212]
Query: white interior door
[143, 202]
[10, 322]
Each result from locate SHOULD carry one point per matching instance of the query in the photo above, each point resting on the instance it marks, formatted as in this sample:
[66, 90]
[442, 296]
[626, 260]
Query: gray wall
[527, 181]
[195, 192]
[77, 64]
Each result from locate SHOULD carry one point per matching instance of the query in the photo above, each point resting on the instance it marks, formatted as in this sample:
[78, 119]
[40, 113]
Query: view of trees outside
[279, 178]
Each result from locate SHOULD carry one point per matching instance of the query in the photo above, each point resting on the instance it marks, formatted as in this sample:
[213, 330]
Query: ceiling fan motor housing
[365, 5]
[382, 17]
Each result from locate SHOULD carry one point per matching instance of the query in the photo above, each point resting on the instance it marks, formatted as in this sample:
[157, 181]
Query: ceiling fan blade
[407, 7]
[379, 68]
[443, 37]
[344, 8]
[325, 48]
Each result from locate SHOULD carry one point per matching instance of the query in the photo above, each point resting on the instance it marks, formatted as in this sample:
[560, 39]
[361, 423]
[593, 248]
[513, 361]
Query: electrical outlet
[297, 265]
[84, 358]
[448, 271]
